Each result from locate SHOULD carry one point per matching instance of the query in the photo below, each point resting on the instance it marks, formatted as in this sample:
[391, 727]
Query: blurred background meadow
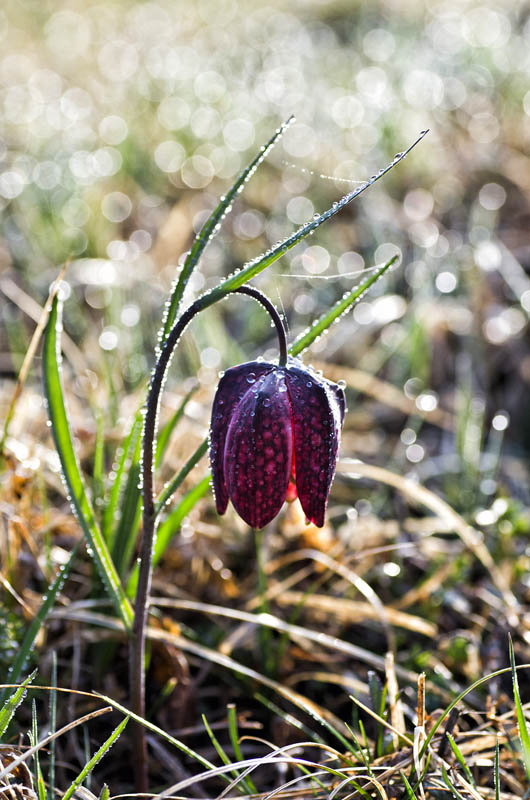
[121, 126]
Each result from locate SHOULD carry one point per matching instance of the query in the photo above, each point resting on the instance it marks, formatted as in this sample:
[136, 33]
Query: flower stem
[280, 328]
[150, 515]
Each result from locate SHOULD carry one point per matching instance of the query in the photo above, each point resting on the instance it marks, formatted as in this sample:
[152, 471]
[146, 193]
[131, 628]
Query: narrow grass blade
[159, 731]
[165, 433]
[108, 525]
[169, 527]
[70, 469]
[326, 320]
[221, 752]
[289, 719]
[454, 791]
[32, 632]
[53, 727]
[10, 706]
[362, 754]
[126, 531]
[105, 793]
[34, 739]
[408, 788]
[89, 766]
[211, 226]
[377, 696]
[172, 524]
[234, 738]
[175, 482]
[99, 463]
[460, 758]
[86, 749]
[28, 358]
[521, 721]
[453, 703]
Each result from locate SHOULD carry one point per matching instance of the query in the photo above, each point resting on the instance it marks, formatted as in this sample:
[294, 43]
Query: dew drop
[251, 377]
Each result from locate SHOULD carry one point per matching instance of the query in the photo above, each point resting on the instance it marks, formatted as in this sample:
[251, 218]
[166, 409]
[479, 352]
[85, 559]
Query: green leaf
[165, 433]
[89, 766]
[70, 469]
[53, 727]
[521, 721]
[410, 791]
[159, 731]
[210, 228]
[326, 320]
[169, 527]
[126, 531]
[221, 752]
[460, 758]
[10, 706]
[454, 791]
[248, 784]
[99, 462]
[175, 482]
[34, 739]
[127, 455]
[174, 520]
[257, 265]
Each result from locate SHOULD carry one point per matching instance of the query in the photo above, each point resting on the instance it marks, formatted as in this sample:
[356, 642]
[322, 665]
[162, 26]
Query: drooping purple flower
[274, 425]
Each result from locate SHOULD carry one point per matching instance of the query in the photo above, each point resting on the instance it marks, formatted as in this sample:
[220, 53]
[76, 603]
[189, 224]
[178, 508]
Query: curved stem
[149, 515]
[280, 329]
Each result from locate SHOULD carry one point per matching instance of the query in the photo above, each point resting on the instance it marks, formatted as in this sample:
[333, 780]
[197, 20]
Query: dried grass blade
[30, 353]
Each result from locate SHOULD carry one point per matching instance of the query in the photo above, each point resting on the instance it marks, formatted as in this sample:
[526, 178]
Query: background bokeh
[121, 124]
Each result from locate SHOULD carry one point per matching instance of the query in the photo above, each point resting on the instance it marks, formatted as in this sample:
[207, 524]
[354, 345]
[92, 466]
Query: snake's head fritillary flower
[274, 434]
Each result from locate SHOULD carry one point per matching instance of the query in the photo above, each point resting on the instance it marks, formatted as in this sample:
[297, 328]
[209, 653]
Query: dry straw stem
[11, 291]
[34, 311]
[472, 538]
[351, 611]
[396, 708]
[383, 722]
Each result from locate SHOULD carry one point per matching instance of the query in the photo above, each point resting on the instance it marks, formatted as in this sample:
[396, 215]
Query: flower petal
[259, 450]
[340, 397]
[232, 387]
[317, 418]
